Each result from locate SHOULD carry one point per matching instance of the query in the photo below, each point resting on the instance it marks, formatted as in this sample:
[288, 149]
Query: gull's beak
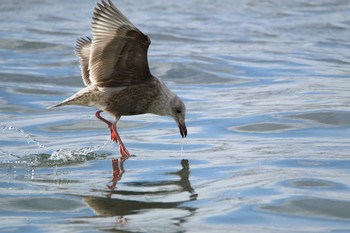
[182, 128]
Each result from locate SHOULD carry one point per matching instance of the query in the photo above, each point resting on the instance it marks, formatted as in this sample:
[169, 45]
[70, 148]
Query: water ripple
[267, 94]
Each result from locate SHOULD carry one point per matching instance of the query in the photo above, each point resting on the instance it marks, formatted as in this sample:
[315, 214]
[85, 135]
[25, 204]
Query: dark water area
[266, 85]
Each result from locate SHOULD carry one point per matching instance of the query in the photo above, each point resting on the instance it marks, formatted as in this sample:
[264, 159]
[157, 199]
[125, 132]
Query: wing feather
[82, 50]
[118, 53]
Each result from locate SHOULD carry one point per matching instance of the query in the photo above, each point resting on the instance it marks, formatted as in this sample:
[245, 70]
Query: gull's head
[178, 112]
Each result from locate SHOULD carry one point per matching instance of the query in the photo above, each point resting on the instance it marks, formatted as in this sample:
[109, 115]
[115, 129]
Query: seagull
[116, 74]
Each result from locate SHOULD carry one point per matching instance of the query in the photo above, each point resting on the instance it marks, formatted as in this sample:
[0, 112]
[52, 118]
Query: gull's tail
[65, 102]
[83, 97]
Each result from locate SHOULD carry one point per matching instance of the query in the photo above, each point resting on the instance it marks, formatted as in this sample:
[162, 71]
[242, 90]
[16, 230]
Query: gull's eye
[178, 111]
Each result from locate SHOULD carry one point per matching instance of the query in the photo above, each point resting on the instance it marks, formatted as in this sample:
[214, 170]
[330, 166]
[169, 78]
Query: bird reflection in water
[184, 181]
[118, 171]
[184, 173]
[144, 196]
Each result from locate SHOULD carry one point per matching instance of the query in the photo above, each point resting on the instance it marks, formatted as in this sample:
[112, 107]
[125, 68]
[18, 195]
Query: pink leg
[114, 134]
[122, 149]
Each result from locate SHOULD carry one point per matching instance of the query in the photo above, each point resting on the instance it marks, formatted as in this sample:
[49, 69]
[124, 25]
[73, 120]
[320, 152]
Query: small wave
[29, 46]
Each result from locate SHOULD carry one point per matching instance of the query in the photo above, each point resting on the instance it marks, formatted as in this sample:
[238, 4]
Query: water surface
[267, 92]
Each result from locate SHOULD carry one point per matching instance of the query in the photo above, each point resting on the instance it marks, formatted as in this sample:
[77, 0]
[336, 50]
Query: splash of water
[63, 155]
[8, 128]
[81, 154]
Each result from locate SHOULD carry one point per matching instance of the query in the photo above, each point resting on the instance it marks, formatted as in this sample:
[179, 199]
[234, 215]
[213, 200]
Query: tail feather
[84, 97]
[53, 106]
[65, 102]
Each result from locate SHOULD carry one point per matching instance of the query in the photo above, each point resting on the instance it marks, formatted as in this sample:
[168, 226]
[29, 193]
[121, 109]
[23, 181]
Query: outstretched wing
[118, 54]
[82, 50]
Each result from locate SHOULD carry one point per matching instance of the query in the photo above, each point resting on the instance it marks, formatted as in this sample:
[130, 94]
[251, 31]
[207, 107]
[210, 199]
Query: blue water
[266, 85]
